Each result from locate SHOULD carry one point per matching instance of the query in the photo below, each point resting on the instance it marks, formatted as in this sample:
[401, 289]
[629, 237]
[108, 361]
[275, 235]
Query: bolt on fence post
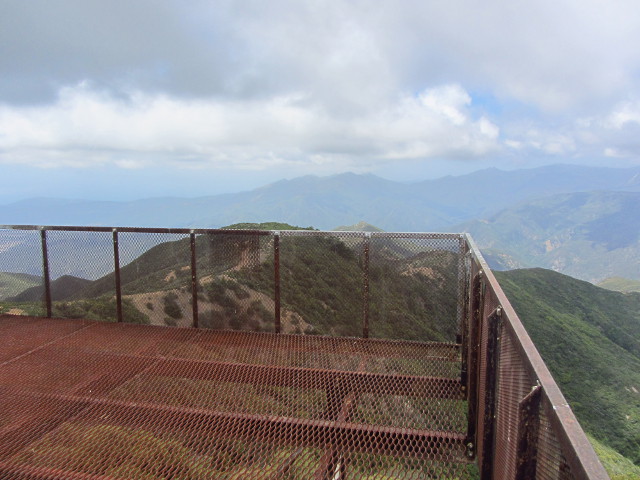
[528, 428]
[276, 280]
[365, 293]
[491, 398]
[194, 280]
[116, 262]
[45, 272]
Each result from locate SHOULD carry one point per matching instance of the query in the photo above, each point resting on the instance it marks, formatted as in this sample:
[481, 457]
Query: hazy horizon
[117, 196]
[138, 99]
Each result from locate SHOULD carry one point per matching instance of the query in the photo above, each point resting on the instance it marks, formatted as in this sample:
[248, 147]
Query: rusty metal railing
[513, 422]
[524, 427]
[108, 254]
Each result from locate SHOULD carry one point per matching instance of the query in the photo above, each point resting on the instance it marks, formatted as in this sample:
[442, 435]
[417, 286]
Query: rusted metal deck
[94, 400]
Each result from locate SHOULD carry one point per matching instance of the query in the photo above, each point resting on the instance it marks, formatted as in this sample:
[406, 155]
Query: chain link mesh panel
[76, 259]
[21, 273]
[85, 255]
[322, 282]
[515, 384]
[515, 381]
[236, 282]
[414, 287]
[552, 464]
[156, 284]
[487, 306]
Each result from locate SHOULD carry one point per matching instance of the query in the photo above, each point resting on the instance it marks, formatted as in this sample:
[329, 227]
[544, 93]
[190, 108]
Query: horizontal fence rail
[386, 288]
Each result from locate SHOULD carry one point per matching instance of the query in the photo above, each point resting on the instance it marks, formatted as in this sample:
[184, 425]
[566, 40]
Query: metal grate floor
[90, 400]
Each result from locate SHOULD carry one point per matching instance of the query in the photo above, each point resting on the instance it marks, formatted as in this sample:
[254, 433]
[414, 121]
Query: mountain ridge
[588, 235]
[341, 199]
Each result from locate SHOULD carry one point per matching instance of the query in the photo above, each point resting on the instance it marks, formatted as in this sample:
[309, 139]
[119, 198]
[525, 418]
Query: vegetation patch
[171, 307]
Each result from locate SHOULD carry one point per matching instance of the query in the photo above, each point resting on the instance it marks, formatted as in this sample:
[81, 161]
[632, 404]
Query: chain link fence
[378, 285]
[316, 355]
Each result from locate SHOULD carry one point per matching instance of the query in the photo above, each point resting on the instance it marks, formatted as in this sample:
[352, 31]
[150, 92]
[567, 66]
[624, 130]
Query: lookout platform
[93, 400]
[131, 353]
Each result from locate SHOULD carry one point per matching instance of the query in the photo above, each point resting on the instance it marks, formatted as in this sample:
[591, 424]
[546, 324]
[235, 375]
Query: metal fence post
[276, 280]
[464, 293]
[365, 294]
[116, 261]
[194, 280]
[45, 272]
[528, 428]
[463, 284]
[491, 390]
[473, 362]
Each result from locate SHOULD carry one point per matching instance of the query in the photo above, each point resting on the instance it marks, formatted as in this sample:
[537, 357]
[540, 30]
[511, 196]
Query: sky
[125, 99]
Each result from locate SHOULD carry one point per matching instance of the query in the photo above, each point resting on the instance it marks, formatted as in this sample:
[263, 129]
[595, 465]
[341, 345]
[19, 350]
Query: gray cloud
[551, 54]
[119, 45]
[256, 83]
[84, 128]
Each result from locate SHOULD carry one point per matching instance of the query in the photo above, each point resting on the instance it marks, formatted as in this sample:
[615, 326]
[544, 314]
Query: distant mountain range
[583, 221]
[345, 199]
[591, 236]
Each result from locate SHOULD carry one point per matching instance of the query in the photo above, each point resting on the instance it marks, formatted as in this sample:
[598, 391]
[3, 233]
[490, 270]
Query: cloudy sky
[135, 98]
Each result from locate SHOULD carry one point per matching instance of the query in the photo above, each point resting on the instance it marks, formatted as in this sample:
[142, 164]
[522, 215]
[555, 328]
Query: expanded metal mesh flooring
[90, 400]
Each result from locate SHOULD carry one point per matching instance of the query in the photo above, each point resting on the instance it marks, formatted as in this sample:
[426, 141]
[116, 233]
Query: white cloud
[550, 54]
[613, 152]
[448, 101]
[256, 84]
[625, 113]
[543, 141]
[85, 127]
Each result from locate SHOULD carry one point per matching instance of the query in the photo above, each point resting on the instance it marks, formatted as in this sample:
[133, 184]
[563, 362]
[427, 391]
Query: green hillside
[12, 284]
[618, 466]
[619, 284]
[322, 275]
[172, 259]
[590, 339]
[62, 288]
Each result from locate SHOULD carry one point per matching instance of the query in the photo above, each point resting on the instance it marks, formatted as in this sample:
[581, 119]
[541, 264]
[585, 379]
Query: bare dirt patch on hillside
[152, 304]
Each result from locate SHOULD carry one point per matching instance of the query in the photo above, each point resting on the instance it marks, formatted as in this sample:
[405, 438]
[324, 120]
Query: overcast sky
[135, 98]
